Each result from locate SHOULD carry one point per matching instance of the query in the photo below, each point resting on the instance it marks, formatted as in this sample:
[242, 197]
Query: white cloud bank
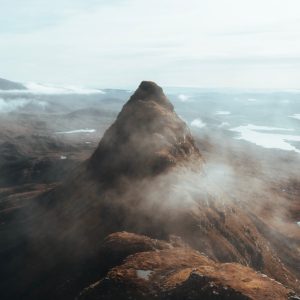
[38, 88]
[295, 116]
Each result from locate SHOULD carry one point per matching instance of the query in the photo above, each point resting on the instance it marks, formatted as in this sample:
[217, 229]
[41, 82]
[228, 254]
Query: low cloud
[49, 89]
[295, 116]
[198, 123]
[184, 98]
[223, 112]
[224, 124]
[37, 88]
[7, 106]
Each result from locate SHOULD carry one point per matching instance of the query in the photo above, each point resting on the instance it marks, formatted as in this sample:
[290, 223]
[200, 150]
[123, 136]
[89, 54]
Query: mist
[9, 106]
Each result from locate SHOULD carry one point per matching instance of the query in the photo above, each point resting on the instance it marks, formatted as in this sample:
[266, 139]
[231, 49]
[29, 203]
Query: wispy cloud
[7, 106]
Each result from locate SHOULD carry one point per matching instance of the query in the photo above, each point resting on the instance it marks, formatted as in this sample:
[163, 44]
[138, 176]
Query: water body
[260, 136]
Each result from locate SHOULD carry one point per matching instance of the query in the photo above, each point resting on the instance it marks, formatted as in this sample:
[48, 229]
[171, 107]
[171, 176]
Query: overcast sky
[117, 43]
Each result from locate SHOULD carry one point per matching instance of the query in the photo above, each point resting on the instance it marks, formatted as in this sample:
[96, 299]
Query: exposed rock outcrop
[161, 270]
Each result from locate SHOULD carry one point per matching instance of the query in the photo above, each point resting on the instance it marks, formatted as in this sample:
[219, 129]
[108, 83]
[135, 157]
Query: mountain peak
[147, 138]
[150, 87]
[150, 91]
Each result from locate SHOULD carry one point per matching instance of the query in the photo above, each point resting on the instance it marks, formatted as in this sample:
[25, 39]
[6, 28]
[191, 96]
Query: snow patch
[144, 274]
[10, 105]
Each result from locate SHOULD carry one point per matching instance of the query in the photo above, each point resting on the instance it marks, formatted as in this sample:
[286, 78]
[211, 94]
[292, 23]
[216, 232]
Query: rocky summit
[147, 138]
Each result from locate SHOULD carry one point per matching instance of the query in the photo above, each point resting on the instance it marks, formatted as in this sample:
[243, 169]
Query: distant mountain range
[10, 85]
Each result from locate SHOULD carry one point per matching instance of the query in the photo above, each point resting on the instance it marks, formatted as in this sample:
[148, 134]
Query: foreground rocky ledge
[155, 269]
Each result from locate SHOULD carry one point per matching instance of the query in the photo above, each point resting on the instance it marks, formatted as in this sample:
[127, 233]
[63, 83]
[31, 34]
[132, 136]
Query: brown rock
[147, 138]
[180, 273]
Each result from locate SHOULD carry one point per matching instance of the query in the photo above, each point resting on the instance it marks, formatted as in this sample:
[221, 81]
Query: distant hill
[10, 85]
